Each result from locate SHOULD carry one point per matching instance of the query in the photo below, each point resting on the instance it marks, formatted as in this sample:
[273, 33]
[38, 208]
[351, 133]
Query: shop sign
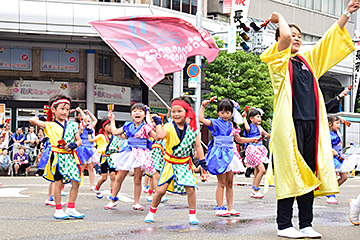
[63, 60]
[112, 94]
[40, 90]
[15, 58]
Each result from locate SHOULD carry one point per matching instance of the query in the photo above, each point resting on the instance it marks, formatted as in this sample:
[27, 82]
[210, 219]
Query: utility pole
[198, 61]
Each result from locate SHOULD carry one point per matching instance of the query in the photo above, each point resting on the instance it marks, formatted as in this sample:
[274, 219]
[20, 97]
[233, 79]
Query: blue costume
[45, 155]
[256, 153]
[222, 149]
[136, 154]
[86, 150]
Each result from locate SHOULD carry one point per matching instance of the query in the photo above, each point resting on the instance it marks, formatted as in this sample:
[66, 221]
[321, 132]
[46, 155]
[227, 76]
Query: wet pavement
[23, 214]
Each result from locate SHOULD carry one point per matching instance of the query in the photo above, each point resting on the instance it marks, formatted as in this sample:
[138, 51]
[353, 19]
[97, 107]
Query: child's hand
[244, 114]
[205, 103]
[255, 140]
[78, 109]
[86, 111]
[335, 153]
[111, 116]
[66, 147]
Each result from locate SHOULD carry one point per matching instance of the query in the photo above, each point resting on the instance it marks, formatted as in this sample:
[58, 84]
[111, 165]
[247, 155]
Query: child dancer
[63, 162]
[86, 151]
[136, 155]
[342, 164]
[157, 155]
[177, 174]
[222, 158]
[106, 144]
[256, 153]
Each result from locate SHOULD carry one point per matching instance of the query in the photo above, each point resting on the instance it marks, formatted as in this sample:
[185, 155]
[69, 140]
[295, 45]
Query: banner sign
[156, 45]
[40, 90]
[15, 58]
[63, 60]
[356, 74]
[112, 94]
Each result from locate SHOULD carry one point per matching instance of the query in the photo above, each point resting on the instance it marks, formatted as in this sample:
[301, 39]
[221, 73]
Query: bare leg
[343, 178]
[160, 192]
[229, 189]
[90, 168]
[112, 179]
[51, 190]
[137, 184]
[260, 169]
[16, 168]
[220, 189]
[118, 182]
[74, 191]
[191, 197]
[101, 180]
[57, 191]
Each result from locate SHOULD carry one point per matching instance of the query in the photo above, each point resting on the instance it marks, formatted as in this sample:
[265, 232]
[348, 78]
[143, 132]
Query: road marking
[12, 192]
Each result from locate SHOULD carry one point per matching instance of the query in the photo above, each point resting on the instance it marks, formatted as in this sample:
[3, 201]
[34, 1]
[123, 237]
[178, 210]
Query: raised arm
[246, 124]
[202, 119]
[352, 7]
[37, 122]
[93, 118]
[285, 37]
[114, 130]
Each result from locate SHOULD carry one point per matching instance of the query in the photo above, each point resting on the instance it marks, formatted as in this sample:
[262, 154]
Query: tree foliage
[242, 77]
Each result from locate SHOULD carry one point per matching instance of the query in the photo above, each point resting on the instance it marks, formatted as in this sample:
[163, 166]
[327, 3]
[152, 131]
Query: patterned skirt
[136, 158]
[255, 155]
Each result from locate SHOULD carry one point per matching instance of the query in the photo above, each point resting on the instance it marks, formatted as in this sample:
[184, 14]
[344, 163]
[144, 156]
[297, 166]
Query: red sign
[156, 45]
[24, 57]
[72, 59]
[193, 70]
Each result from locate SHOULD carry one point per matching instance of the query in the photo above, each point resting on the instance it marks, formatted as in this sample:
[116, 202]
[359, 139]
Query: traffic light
[255, 27]
[244, 46]
[244, 36]
[243, 26]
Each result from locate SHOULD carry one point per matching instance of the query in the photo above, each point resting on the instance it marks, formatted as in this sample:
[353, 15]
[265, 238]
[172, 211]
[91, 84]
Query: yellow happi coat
[293, 177]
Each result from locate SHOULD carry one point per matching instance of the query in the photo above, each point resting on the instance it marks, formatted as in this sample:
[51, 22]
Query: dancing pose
[63, 161]
[300, 144]
[86, 151]
[222, 158]
[107, 144]
[342, 164]
[256, 153]
[177, 174]
[136, 155]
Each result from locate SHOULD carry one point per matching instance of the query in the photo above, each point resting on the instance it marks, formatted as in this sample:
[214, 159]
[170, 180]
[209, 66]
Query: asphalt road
[23, 214]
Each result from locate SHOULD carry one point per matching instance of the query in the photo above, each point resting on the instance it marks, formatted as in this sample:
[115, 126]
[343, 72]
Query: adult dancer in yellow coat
[300, 146]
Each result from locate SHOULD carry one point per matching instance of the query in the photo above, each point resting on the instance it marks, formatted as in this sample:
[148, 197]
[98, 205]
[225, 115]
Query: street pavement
[23, 214]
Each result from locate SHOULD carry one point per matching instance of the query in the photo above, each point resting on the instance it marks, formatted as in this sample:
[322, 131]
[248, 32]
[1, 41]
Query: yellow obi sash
[52, 168]
[103, 158]
[178, 160]
[158, 145]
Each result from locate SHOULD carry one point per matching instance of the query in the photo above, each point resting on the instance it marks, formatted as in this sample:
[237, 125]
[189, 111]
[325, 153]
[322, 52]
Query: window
[104, 65]
[65, 60]
[128, 73]
[333, 7]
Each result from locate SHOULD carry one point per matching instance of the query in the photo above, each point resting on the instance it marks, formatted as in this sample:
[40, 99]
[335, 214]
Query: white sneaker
[354, 212]
[193, 219]
[99, 195]
[63, 193]
[223, 213]
[150, 217]
[332, 200]
[164, 199]
[92, 188]
[290, 232]
[149, 198]
[74, 214]
[138, 207]
[110, 205]
[60, 214]
[309, 232]
[233, 212]
[256, 194]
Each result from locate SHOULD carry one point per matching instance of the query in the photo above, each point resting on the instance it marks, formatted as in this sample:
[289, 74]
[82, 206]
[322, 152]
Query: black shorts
[23, 167]
[105, 168]
[57, 176]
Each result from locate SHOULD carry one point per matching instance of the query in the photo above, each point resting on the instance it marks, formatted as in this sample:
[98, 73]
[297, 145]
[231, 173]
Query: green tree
[242, 77]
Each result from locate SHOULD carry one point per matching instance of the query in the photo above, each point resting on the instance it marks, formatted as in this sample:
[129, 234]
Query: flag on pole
[156, 45]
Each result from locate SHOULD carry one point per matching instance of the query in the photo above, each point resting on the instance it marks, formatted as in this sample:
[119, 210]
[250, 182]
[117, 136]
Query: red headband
[189, 112]
[48, 111]
[103, 126]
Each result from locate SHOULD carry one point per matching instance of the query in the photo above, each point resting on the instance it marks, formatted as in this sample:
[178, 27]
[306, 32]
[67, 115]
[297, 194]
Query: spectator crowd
[19, 151]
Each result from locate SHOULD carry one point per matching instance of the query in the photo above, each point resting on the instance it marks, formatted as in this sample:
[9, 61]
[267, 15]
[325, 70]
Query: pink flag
[156, 45]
